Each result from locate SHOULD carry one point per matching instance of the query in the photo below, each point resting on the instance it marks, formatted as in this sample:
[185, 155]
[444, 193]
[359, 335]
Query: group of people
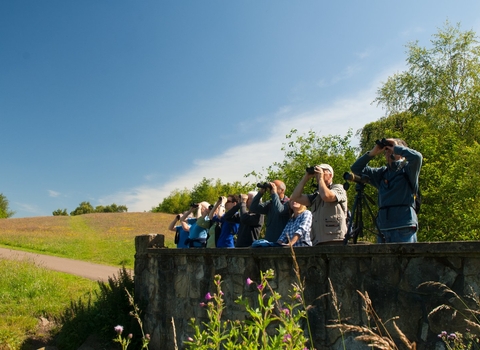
[307, 219]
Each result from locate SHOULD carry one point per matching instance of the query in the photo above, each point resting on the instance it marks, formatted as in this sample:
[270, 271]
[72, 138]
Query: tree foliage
[206, 190]
[5, 211]
[60, 212]
[302, 151]
[87, 208]
[434, 105]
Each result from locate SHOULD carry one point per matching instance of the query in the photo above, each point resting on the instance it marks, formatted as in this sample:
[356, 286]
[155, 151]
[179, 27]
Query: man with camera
[328, 205]
[250, 223]
[397, 184]
[276, 209]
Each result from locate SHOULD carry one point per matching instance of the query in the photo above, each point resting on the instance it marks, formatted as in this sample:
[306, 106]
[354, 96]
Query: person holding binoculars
[397, 184]
[276, 209]
[328, 205]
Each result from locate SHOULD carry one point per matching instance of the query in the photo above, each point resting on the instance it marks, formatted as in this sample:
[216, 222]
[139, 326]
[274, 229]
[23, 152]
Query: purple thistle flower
[249, 281]
[286, 338]
[208, 296]
[118, 329]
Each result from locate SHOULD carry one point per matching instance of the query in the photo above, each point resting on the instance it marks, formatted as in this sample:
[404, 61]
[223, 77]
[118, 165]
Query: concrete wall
[172, 282]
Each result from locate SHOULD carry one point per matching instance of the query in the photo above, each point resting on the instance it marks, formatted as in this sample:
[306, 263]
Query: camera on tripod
[363, 179]
[265, 185]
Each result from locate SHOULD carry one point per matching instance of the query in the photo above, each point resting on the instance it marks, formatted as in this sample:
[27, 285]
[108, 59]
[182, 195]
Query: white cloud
[54, 194]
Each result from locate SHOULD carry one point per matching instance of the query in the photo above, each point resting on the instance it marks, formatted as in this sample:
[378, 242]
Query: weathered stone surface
[173, 282]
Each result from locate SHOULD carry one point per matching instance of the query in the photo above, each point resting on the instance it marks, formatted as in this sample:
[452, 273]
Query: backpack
[417, 196]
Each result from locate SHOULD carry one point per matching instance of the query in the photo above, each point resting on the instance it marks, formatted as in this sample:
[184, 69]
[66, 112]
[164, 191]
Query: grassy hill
[104, 238]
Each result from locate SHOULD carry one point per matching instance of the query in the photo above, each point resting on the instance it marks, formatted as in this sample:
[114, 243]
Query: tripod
[355, 224]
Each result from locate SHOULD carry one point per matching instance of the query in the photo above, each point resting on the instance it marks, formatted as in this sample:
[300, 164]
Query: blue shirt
[299, 226]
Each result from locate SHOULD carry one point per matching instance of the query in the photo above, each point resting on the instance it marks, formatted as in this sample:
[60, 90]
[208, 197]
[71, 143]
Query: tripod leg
[380, 235]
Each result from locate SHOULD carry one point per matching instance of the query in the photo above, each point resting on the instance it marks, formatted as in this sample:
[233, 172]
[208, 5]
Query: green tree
[434, 105]
[5, 211]
[60, 212]
[83, 208]
[206, 190]
[302, 151]
[177, 202]
[112, 208]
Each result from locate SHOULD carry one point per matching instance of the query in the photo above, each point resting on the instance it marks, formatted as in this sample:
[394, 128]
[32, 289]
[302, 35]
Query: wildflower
[208, 296]
[249, 281]
[190, 339]
[130, 336]
[147, 336]
[118, 329]
[221, 293]
[286, 311]
[287, 338]
[202, 304]
[452, 336]
[260, 287]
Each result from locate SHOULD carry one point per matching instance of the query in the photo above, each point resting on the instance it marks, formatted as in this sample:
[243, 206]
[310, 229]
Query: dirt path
[84, 269]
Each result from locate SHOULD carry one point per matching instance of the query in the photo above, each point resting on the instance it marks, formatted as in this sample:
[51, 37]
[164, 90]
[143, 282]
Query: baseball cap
[326, 167]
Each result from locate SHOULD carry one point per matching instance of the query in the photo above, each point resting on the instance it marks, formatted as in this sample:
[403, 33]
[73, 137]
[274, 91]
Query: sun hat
[326, 167]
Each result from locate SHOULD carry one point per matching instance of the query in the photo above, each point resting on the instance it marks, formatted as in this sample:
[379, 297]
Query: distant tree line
[87, 208]
[434, 105]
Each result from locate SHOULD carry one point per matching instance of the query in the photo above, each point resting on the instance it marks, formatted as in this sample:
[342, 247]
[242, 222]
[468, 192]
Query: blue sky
[124, 101]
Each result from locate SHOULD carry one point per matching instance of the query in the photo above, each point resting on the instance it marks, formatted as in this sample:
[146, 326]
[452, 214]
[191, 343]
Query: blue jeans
[400, 235]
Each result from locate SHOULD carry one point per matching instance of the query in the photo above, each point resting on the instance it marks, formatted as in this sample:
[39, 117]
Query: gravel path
[84, 269]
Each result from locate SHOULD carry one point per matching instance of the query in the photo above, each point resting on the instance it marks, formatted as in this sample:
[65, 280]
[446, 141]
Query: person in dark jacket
[397, 184]
[250, 223]
[276, 209]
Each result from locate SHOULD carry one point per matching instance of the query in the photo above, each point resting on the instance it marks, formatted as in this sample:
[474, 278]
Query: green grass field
[29, 292]
[106, 238]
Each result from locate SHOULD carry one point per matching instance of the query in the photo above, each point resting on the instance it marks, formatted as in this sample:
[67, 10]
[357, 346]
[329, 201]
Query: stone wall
[171, 283]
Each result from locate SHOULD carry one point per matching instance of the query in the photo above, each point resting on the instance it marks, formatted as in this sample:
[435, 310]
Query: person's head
[232, 201]
[297, 208]
[389, 156]
[280, 188]
[327, 173]
[204, 208]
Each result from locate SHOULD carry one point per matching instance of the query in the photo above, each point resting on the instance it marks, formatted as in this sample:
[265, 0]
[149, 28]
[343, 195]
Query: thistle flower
[118, 329]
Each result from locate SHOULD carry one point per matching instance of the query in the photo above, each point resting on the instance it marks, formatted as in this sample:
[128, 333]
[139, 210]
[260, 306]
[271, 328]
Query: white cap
[326, 167]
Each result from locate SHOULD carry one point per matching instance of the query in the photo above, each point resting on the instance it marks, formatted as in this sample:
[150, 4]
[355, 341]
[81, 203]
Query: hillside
[106, 238]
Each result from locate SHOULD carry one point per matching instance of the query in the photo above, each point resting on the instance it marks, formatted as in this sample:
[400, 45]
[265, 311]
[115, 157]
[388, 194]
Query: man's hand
[274, 188]
[244, 198]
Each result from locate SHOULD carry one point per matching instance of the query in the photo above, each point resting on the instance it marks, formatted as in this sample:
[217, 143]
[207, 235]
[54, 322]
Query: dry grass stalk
[374, 336]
